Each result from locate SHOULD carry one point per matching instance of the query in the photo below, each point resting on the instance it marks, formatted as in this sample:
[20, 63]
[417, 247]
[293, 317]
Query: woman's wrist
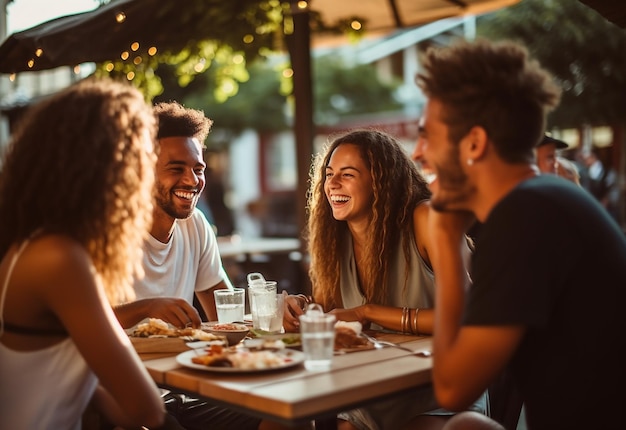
[303, 301]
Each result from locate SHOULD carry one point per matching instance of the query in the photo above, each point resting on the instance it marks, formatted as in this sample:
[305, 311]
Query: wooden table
[295, 396]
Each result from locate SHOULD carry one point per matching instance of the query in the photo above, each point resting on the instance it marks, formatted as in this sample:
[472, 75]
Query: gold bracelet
[405, 318]
[305, 299]
[414, 330]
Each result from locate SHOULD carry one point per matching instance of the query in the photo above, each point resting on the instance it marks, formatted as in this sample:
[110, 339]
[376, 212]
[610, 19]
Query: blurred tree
[263, 101]
[220, 35]
[345, 90]
[258, 104]
[581, 48]
[586, 53]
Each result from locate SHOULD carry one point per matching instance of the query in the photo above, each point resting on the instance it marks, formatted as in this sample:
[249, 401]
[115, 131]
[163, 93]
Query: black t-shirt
[550, 258]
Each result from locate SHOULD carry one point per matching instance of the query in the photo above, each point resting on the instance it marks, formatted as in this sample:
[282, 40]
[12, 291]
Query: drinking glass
[317, 331]
[266, 307]
[230, 304]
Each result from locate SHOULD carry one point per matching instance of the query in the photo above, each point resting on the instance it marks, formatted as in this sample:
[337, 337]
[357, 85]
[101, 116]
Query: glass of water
[266, 307]
[230, 304]
[317, 331]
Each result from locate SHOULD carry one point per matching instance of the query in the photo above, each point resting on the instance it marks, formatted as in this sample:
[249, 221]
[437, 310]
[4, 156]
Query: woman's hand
[293, 310]
[353, 314]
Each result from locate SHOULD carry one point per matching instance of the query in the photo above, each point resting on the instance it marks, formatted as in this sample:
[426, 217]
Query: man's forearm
[130, 314]
[207, 300]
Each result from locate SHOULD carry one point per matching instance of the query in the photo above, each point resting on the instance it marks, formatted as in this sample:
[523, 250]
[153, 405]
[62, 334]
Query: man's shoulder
[196, 228]
[196, 221]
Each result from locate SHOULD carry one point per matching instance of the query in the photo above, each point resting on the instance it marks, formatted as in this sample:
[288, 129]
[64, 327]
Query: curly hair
[175, 120]
[81, 164]
[398, 188]
[493, 85]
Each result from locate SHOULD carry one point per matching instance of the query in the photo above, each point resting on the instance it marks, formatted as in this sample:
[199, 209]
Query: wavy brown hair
[493, 85]
[398, 188]
[81, 164]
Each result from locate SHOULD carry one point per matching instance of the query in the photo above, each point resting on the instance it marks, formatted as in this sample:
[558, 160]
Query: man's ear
[474, 145]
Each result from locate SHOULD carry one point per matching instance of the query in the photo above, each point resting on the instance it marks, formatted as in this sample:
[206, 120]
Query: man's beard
[452, 185]
[165, 200]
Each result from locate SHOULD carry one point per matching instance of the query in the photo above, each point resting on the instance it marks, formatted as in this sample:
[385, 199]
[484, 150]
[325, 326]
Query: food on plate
[156, 327]
[240, 358]
[289, 339]
[233, 332]
[227, 327]
[347, 335]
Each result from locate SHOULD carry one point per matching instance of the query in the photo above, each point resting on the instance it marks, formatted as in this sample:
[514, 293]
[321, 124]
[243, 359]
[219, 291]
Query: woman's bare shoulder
[420, 216]
[52, 252]
[420, 228]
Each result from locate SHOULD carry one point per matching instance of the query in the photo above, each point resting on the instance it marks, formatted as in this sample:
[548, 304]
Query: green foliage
[583, 50]
[204, 34]
[342, 90]
[257, 104]
[263, 101]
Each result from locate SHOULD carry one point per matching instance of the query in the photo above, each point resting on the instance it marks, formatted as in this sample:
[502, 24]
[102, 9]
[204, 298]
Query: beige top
[417, 292]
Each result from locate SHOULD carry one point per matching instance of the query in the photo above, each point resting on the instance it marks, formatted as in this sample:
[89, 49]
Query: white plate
[197, 344]
[295, 358]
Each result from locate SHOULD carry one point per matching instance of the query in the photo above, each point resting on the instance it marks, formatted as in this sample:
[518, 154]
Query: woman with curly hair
[75, 207]
[369, 248]
[368, 209]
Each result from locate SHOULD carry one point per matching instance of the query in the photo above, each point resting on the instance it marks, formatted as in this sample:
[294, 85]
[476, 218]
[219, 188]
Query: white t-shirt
[189, 262]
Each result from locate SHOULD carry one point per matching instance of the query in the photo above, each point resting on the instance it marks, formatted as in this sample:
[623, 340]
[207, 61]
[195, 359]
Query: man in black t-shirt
[549, 270]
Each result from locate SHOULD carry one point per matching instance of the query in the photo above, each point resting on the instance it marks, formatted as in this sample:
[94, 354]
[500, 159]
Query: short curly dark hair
[494, 85]
[175, 120]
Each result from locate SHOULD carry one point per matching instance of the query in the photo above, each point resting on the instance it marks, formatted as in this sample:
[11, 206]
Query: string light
[152, 50]
[130, 76]
[125, 55]
[137, 60]
[134, 46]
[12, 77]
[248, 38]
[31, 63]
[356, 25]
[38, 52]
[120, 17]
[77, 69]
[303, 4]
[109, 67]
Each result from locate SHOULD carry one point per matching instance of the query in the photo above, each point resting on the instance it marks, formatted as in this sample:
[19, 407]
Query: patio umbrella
[125, 26]
[383, 16]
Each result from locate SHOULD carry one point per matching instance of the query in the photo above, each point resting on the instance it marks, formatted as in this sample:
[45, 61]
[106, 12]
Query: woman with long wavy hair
[369, 249]
[75, 207]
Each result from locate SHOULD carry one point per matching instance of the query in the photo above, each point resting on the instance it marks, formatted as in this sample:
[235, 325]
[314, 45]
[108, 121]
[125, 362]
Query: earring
[470, 162]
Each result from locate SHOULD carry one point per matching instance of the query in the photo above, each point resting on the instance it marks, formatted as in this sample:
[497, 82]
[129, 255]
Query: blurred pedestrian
[546, 153]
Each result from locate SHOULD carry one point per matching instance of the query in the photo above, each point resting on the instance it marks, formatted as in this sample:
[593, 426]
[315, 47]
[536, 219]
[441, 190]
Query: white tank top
[43, 389]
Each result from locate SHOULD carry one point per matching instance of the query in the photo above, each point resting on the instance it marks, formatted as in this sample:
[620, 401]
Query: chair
[504, 401]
